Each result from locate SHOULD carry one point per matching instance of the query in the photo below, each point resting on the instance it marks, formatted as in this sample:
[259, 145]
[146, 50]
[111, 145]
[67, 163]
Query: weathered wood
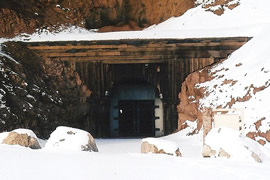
[139, 49]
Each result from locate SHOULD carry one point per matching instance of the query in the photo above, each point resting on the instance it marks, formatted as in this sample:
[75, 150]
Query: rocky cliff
[107, 15]
[38, 94]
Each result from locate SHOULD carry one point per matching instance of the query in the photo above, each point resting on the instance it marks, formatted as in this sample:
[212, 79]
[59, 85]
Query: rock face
[21, 16]
[71, 139]
[147, 147]
[218, 7]
[188, 109]
[39, 95]
[25, 140]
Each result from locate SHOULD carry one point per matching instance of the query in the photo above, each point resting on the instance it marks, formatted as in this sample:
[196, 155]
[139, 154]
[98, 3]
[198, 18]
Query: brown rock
[188, 109]
[207, 151]
[267, 136]
[207, 121]
[223, 153]
[221, 4]
[252, 135]
[14, 138]
[262, 142]
[147, 147]
[91, 146]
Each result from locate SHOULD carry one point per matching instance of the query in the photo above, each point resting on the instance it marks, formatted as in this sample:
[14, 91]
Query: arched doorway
[136, 110]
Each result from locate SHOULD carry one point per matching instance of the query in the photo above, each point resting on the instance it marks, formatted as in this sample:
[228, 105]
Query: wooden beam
[138, 51]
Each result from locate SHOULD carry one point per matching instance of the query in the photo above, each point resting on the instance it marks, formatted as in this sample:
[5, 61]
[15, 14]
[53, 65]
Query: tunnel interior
[136, 110]
[136, 118]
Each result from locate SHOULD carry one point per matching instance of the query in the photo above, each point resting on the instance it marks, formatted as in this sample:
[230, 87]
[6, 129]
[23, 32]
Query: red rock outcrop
[114, 15]
[218, 6]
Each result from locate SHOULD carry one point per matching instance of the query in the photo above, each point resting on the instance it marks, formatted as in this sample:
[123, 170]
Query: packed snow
[121, 158]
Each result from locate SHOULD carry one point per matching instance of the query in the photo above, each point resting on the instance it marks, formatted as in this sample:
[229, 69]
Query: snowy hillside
[242, 81]
[245, 19]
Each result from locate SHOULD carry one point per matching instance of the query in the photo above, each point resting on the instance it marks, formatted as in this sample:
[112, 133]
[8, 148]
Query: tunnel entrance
[131, 74]
[136, 118]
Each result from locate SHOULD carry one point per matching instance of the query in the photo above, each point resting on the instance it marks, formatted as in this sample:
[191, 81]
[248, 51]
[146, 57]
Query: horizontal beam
[138, 51]
[111, 61]
[230, 44]
[144, 55]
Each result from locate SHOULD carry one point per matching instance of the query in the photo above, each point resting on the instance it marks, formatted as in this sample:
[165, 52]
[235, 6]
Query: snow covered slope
[242, 81]
[248, 14]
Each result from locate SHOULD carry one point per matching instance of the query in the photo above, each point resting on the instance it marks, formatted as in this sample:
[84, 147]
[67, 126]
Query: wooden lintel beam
[113, 61]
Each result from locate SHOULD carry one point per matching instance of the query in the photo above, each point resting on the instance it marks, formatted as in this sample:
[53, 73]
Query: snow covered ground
[121, 159]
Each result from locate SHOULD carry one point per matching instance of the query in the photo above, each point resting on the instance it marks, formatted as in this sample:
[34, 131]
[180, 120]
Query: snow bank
[70, 139]
[237, 146]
